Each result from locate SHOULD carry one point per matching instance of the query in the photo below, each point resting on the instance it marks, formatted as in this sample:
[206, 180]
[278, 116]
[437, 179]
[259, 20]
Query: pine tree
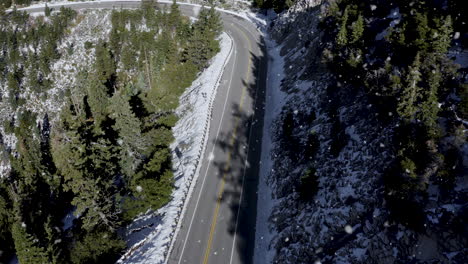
[27, 249]
[130, 137]
[197, 52]
[104, 65]
[174, 17]
[429, 108]
[5, 226]
[98, 101]
[54, 243]
[47, 10]
[411, 93]
[442, 36]
[215, 24]
[357, 29]
[88, 164]
[99, 246]
[342, 37]
[422, 31]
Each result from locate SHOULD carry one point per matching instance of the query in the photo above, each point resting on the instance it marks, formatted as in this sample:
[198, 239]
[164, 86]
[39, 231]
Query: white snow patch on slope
[150, 235]
[395, 16]
[274, 102]
[254, 18]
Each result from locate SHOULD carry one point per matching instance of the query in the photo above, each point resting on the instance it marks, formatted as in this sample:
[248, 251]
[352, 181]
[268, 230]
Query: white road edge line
[209, 162]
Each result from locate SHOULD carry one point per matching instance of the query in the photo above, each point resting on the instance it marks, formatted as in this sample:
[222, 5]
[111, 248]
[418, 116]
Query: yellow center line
[228, 161]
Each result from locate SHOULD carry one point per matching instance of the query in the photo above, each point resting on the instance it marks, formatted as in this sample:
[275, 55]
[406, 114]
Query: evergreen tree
[174, 16]
[411, 93]
[88, 164]
[98, 101]
[429, 108]
[54, 243]
[203, 44]
[47, 10]
[5, 227]
[152, 186]
[197, 52]
[99, 246]
[357, 29]
[27, 249]
[442, 36]
[105, 65]
[214, 23]
[130, 137]
[341, 38]
[421, 31]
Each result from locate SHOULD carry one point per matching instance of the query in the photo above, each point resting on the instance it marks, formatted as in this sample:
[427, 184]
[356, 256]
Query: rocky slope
[331, 151]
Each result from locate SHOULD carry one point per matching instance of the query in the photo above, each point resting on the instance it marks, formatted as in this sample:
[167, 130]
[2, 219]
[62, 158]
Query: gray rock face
[346, 221]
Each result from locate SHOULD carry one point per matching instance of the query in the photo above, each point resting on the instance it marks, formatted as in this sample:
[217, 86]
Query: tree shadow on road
[241, 173]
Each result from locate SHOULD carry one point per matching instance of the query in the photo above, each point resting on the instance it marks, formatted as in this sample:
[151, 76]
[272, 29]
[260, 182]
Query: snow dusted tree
[26, 245]
[105, 65]
[411, 93]
[357, 29]
[98, 101]
[429, 107]
[88, 164]
[442, 35]
[342, 37]
[128, 127]
[421, 31]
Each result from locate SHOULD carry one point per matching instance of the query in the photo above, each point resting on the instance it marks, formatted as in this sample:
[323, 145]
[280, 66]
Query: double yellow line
[228, 162]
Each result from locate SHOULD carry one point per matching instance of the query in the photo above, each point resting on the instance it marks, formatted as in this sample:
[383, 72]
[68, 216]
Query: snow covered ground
[242, 13]
[347, 220]
[63, 75]
[150, 236]
[274, 102]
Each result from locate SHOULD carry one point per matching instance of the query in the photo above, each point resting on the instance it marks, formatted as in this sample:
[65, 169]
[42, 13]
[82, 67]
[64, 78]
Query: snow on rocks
[152, 243]
[347, 220]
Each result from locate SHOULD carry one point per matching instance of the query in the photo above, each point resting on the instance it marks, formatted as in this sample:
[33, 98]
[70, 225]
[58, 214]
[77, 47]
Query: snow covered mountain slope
[324, 172]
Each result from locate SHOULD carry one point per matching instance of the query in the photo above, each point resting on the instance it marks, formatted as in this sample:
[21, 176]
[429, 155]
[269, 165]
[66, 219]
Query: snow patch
[274, 101]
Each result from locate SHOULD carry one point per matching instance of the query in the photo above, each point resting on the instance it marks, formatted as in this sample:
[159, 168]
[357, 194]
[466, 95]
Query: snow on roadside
[274, 102]
[150, 236]
[252, 17]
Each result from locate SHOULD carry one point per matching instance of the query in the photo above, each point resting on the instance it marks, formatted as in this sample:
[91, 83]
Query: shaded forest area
[401, 62]
[107, 159]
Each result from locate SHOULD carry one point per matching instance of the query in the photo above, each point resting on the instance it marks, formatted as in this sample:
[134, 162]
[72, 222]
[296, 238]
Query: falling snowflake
[211, 156]
[348, 229]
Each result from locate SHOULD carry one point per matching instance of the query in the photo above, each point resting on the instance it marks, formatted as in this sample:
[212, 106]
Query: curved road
[219, 224]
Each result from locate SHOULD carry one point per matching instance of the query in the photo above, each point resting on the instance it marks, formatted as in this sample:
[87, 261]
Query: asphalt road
[219, 224]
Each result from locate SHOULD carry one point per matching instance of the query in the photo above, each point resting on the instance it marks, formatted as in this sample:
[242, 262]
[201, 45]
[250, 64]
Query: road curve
[219, 224]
